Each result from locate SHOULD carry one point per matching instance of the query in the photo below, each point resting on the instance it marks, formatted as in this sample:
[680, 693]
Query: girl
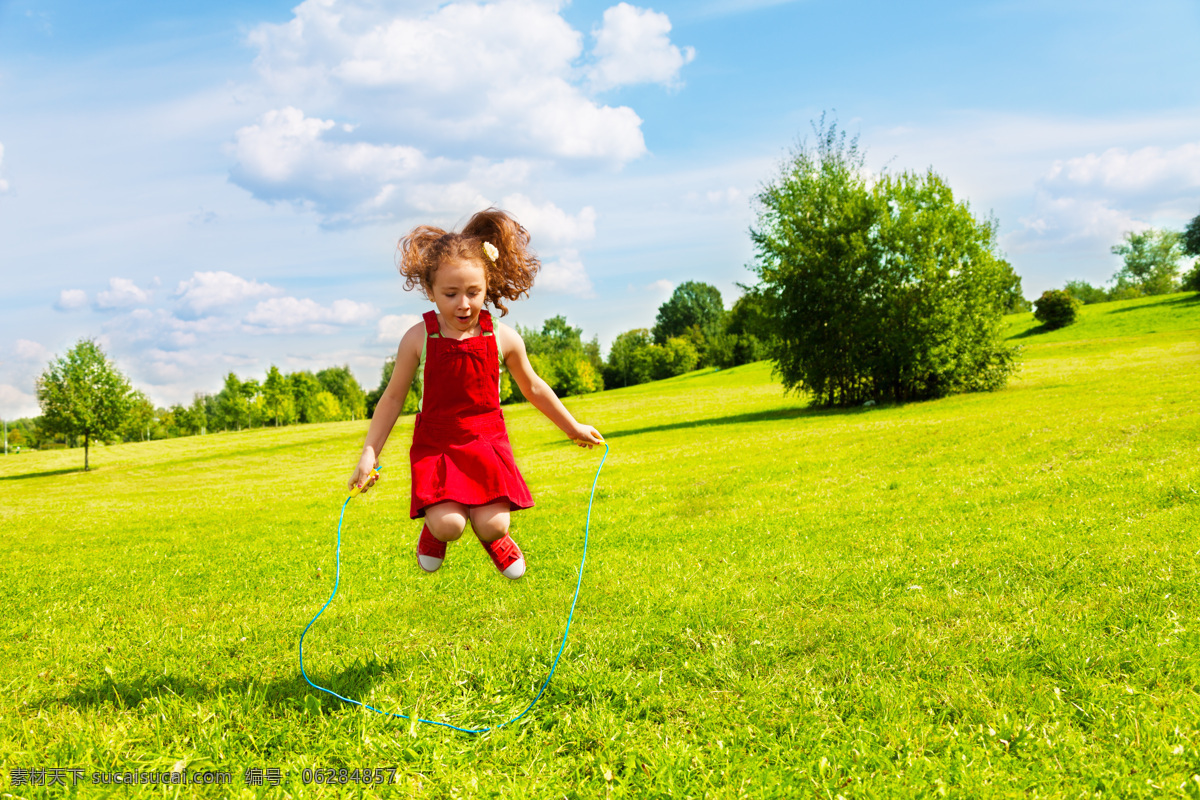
[462, 462]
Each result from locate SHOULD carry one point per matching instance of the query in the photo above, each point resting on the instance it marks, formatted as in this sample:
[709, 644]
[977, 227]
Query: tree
[232, 407]
[674, 357]
[694, 311]
[1085, 293]
[277, 396]
[341, 383]
[305, 388]
[1014, 301]
[1191, 237]
[1056, 309]
[629, 359]
[890, 290]
[140, 418]
[561, 358]
[1151, 261]
[83, 394]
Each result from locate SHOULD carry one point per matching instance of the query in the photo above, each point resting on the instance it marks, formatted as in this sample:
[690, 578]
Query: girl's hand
[586, 436]
[364, 472]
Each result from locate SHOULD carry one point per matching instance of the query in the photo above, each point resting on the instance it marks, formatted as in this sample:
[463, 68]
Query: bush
[1056, 309]
[890, 290]
[1191, 279]
[1085, 293]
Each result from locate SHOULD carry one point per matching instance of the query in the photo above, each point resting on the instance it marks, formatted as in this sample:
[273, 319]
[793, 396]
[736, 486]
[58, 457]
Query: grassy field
[990, 595]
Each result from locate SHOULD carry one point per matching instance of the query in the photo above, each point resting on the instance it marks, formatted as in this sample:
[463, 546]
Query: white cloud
[286, 156]
[164, 329]
[292, 315]
[1149, 170]
[15, 404]
[71, 299]
[662, 288]
[392, 327]
[633, 46]
[547, 222]
[121, 293]
[1101, 196]
[30, 351]
[3, 183]
[217, 291]
[375, 109]
[565, 275]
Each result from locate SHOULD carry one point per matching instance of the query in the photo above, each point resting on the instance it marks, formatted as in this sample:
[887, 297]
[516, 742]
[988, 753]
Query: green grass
[986, 595]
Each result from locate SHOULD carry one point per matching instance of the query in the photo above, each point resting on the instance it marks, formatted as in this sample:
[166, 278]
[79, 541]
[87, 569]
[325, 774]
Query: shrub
[1085, 293]
[1191, 279]
[1056, 309]
[883, 290]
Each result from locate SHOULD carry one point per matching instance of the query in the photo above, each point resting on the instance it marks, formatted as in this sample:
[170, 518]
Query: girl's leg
[446, 521]
[490, 522]
[491, 526]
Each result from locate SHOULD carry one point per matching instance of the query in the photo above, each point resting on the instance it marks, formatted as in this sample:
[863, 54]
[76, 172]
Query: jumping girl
[462, 463]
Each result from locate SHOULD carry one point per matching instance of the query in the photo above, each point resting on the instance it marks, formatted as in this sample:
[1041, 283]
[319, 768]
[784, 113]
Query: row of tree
[1152, 265]
[85, 398]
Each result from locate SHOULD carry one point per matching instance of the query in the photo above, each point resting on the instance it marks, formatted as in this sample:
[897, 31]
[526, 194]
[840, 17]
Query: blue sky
[208, 187]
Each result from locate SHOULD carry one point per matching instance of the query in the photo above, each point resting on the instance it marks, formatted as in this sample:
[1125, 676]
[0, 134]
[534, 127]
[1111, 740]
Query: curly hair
[509, 276]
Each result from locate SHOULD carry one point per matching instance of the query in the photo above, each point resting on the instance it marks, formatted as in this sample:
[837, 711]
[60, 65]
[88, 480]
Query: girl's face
[459, 289]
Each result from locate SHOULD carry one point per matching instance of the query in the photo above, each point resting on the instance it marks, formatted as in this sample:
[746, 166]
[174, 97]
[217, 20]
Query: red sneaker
[430, 551]
[507, 557]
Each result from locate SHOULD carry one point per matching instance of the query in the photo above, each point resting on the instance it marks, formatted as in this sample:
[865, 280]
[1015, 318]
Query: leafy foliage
[1151, 262]
[558, 354]
[1191, 237]
[83, 394]
[693, 305]
[1056, 308]
[890, 291]
[1085, 293]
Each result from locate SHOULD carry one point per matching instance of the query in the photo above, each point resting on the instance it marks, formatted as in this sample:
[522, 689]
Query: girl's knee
[446, 525]
[492, 528]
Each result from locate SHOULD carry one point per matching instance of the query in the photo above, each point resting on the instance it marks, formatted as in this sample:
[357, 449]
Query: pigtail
[510, 275]
[419, 256]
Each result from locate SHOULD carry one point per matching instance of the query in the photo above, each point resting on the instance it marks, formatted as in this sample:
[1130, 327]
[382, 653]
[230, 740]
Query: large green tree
[692, 305]
[885, 289]
[1151, 261]
[83, 394]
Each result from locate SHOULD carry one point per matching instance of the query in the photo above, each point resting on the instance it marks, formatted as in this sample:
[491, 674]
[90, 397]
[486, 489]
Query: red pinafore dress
[460, 449]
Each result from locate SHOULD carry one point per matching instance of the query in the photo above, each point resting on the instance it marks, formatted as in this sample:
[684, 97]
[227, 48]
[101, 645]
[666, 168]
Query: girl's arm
[408, 354]
[538, 392]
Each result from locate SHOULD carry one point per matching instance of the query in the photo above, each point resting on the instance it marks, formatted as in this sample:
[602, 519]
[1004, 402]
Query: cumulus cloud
[29, 351]
[216, 291]
[121, 293]
[1150, 170]
[392, 327]
[71, 299]
[15, 403]
[296, 315]
[565, 275]
[376, 109]
[1100, 196]
[546, 222]
[633, 46]
[288, 156]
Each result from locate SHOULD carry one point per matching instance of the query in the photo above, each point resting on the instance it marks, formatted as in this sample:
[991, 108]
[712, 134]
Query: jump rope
[337, 575]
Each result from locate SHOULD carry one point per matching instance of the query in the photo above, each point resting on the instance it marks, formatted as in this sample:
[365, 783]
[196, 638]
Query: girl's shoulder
[508, 339]
[413, 338]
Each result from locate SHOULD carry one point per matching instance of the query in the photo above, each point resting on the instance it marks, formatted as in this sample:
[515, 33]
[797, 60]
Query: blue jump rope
[579, 580]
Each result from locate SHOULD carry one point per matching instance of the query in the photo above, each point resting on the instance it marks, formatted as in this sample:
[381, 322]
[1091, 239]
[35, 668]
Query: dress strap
[485, 321]
[431, 323]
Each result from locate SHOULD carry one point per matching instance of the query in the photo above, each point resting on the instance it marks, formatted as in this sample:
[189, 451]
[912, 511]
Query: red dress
[460, 449]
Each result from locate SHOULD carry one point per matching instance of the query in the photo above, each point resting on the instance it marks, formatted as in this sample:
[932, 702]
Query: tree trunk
[85, 452]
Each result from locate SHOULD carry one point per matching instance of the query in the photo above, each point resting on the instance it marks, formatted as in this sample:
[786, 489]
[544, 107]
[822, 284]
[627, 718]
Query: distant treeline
[692, 330]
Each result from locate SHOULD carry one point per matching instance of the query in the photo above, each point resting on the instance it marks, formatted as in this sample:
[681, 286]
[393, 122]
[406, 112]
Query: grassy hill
[991, 595]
